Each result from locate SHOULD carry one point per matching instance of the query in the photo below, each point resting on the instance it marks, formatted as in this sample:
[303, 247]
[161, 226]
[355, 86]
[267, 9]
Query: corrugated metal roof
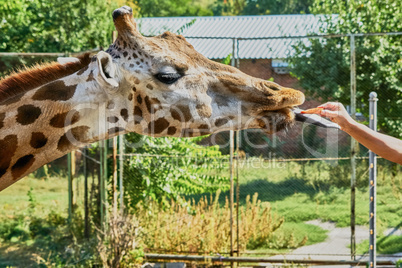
[238, 27]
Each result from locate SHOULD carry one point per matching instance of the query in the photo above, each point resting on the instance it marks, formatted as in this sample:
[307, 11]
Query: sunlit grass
[50, 194]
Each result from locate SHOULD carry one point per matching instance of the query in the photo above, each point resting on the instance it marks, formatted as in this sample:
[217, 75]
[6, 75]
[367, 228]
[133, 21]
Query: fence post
[86, 205]
[231, 144]
[114, 176]
[121, 169]
[103, 182]
[353, 148]
[70, 188]
[373, 183]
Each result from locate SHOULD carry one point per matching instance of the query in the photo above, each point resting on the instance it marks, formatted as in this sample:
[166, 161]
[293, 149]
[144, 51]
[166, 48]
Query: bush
[119, 245]
[169, 167]
[204, 227]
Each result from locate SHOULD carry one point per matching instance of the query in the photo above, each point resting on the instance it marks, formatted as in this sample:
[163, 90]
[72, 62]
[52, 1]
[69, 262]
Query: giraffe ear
[107, 70]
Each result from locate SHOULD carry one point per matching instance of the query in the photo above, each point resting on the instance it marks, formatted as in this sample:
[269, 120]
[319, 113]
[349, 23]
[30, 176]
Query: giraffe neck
[47, 122]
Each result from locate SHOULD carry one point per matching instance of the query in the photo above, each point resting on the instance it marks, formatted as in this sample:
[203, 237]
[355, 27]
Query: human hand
[335, 111]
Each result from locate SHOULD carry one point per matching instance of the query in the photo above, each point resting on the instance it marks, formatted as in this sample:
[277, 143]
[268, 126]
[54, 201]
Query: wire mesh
[293, 186]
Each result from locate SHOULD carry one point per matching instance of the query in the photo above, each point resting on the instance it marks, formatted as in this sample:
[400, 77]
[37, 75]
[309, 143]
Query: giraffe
[158, 86]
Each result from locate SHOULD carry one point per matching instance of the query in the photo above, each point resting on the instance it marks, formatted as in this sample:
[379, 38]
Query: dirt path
[335, 247]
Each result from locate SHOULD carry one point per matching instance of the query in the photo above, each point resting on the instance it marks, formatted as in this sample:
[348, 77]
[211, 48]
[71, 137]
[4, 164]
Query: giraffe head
[157, 86]
[163, 87]
[175, 91]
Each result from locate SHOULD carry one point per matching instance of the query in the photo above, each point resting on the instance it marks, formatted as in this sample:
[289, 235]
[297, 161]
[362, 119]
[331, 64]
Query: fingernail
[320, 107]
[302, 112]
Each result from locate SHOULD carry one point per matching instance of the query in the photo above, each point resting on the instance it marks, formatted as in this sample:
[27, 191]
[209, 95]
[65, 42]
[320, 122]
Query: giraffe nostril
[273, 86]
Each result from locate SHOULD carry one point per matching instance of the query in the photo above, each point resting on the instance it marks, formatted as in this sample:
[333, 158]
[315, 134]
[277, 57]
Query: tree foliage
[323, 65]
[172, 8]
[169, 167]
[55, 26]
[260, 7]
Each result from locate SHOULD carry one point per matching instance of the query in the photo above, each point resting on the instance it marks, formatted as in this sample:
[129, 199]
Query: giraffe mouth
[274, 121]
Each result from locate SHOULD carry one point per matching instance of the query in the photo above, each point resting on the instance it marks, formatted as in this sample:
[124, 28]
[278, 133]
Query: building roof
[211, 36]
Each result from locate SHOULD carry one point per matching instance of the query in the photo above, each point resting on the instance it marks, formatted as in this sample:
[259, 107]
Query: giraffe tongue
[314, 119]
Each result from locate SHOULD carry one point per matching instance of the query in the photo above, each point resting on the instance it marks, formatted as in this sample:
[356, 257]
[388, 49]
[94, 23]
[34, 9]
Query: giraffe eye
[168, 78]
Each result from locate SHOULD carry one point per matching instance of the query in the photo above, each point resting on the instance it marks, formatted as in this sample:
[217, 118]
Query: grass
[297, 193]
[306, 192]
[385, 245]
[50, 194]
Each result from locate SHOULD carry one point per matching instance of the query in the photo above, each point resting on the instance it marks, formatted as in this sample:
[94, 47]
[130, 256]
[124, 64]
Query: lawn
[297, 193]
[50, 194]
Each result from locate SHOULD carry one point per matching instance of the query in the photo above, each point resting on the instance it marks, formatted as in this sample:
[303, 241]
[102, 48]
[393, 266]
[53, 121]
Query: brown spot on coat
[158, 126]
[137, 111]
[112, 119]
[221, 121]
[27, 114]
[2, 116]
[12, 99]
[124, 114]
[65, 119]
[8, 146]
[115, 130]
[73, 136]
[91, 77]
[150, 86]
[181, 113]
[148, 104]
[80, 72]
[204, 129]
[188, 133]
[155, 104]
[110, 105]
[204, 110]
[137, 81]
[38, 140]
[130, 97]
[22, 165]
[55, 91]
[172, 130]
[139, 99]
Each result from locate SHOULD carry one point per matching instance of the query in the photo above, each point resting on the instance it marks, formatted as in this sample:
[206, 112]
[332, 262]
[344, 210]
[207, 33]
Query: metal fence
[310, 182]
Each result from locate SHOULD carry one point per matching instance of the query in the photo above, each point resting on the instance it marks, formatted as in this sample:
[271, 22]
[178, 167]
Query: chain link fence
[263, 195]
[286, 192]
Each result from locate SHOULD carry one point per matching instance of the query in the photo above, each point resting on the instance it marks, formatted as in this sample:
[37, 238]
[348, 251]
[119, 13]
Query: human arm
[383, 145]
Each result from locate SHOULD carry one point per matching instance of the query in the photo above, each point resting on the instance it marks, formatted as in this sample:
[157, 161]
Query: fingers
[313, 111]
[333, 106]
[329, 113]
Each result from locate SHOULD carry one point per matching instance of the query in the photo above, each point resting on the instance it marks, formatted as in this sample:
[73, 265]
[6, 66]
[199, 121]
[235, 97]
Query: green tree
[172, 8]
[169, 167]
[323, 65]
[55, 26]
[260, 7]
[52, 26]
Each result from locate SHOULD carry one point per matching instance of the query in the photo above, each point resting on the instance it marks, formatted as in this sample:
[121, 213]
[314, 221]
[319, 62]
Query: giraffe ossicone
[157, 86]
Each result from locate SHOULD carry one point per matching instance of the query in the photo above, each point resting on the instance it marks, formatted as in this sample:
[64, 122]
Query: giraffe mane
[28, 78]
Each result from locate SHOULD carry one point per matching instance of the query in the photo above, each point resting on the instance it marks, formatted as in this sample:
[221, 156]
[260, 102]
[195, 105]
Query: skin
[385, 146]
